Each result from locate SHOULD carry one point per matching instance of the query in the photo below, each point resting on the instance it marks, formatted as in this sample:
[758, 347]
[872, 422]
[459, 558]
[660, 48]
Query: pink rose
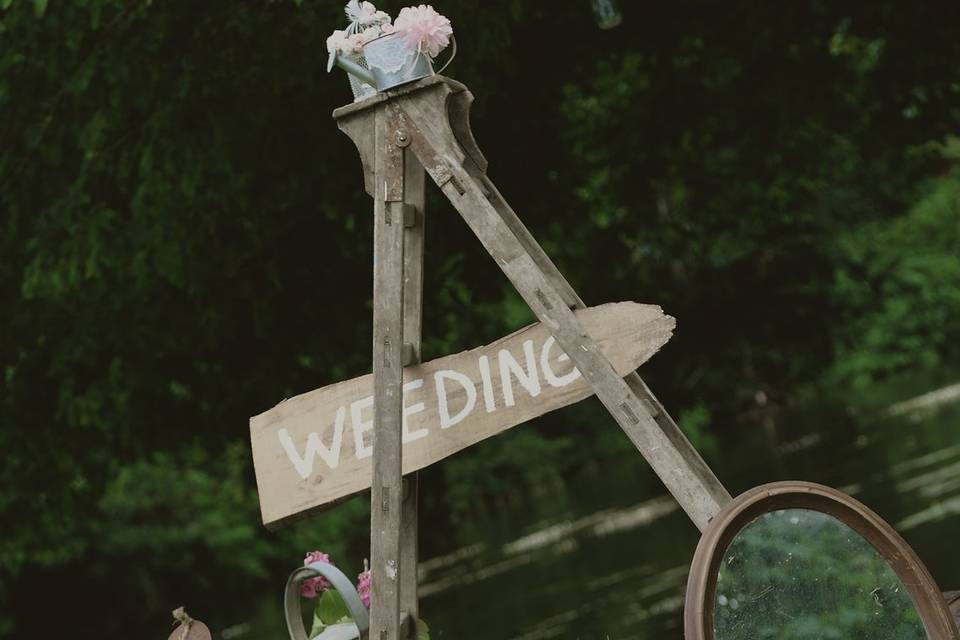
[357, 41]
[363, 587]
[314, 586]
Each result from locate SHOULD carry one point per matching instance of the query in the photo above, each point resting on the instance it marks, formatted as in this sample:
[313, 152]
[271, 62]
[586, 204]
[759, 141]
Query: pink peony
[363, 587]
[314, 586]
[425, 29]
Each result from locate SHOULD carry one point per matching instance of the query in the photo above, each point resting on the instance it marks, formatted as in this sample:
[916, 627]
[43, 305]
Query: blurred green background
[184, 241]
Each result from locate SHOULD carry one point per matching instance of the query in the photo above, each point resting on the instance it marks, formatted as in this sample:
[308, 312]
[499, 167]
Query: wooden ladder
[424, 127]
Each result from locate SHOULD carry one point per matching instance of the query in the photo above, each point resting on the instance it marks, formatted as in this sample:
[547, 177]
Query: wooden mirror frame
[720, 532]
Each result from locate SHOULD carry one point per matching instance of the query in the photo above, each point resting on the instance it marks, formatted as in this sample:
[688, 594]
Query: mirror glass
[798, 574]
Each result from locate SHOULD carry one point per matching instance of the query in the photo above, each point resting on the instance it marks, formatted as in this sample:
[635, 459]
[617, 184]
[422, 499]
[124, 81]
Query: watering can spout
[361, 73]
[384, 63]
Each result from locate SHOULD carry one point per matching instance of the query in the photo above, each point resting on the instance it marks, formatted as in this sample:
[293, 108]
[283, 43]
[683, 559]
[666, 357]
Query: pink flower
[363, 587]
[425, 29]
[357, 40]
[314, 586]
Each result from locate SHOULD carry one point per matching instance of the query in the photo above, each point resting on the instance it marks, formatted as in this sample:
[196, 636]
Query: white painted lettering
[409, 411]
[446, 420]
[488, 401]
[360, 426]
[330, 455]
[528, 379]
[553, 379]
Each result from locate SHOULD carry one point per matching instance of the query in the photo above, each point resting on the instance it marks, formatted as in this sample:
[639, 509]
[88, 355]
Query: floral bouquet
[331, 609]
[394, 51]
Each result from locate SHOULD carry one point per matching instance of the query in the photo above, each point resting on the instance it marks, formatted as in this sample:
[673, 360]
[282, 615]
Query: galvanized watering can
[390, 62]
[359, 629]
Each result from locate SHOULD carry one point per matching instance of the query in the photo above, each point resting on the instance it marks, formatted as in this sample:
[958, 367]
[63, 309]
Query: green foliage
[695, 423]
[184, 511]
[423, 630]
[185, 243]
[898, 286]
[504, 466]
[330, 609]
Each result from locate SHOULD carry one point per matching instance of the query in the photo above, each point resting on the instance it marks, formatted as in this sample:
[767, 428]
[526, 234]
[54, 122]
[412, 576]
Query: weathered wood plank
[314, 449]
[386, 490]
[663, 419]
[414, 194]
[361, 128]
[425, 121]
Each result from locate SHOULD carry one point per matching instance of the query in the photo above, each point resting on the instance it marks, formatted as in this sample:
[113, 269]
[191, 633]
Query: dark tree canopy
[185, 242]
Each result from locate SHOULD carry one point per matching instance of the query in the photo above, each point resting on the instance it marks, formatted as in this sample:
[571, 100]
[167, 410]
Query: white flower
[365, 14]
[339, 42]
[369, 34]
[380, 18]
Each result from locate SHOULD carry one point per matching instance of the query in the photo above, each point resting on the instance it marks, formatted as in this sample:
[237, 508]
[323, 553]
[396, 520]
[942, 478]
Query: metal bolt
[402, 138]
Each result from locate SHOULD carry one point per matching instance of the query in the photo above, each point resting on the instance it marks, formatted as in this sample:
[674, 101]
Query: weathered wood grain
[627, 334]
[386, 493]
[357, 120]
[414, 195]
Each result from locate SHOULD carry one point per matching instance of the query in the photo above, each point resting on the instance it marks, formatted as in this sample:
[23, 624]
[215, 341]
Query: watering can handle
[453, 54]
[340, 582]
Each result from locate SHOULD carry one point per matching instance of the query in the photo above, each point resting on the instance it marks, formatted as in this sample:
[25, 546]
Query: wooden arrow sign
[316, 448]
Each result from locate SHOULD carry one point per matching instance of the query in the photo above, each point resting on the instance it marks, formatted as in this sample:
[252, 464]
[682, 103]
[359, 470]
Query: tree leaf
[423, 631]
[317, 627]
[331, 608]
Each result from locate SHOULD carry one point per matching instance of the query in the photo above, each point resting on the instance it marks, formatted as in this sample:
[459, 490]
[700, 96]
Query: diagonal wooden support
[424, 118]
[663, 419]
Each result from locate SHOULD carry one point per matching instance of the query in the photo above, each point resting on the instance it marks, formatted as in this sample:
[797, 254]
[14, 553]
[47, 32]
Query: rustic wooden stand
[424, 128]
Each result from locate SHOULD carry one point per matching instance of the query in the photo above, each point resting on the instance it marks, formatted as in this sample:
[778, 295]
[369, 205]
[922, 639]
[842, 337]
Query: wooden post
[414, 198]
[388, 306]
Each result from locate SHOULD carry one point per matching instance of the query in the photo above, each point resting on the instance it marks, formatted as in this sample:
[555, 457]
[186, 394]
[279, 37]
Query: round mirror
[802, 561]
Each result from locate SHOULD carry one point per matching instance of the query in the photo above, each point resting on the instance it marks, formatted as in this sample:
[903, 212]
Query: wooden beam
[414, 198]
[388, 306]
[665, 422]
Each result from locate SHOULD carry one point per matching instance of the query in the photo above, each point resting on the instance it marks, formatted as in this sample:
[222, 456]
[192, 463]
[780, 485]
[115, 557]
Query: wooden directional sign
[316, 448]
